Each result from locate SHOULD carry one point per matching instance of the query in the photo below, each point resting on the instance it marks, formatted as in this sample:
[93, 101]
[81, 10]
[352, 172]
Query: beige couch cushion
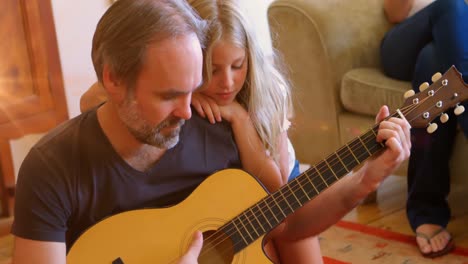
[365, 90]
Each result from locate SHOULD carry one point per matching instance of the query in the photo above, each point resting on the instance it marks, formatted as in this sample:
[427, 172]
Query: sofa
[331, 52]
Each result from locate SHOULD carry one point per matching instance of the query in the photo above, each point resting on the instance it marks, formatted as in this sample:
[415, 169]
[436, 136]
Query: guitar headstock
[446, 91]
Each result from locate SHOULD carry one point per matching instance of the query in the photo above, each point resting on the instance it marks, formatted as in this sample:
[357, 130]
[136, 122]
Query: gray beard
[145, 133]
[153, 136]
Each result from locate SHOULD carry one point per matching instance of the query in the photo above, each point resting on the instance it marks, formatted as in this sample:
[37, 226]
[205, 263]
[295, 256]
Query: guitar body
[162, 235]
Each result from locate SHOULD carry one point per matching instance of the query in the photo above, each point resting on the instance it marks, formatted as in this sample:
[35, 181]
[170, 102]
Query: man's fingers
[395, 132]
[193, 251]
[196, 246]
[383, 113]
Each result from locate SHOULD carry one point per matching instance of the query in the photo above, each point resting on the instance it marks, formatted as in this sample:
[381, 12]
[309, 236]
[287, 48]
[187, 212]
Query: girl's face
[229, 70]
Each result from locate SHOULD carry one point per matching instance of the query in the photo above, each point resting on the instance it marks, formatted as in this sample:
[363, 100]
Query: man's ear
[114, 87]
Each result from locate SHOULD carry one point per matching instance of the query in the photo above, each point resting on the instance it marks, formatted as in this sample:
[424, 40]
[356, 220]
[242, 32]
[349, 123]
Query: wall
[75, 22]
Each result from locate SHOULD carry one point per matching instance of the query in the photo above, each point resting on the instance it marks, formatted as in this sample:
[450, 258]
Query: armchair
[331, 49]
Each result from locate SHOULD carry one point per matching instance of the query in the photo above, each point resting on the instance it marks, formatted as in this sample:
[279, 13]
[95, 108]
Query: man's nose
[183, 108]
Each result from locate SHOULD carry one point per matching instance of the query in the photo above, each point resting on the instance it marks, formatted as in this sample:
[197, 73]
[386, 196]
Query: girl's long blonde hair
[266, 91]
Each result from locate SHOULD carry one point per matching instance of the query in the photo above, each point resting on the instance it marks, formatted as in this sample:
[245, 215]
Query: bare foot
[432, 239]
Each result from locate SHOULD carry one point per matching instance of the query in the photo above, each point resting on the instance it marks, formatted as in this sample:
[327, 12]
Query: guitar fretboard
[273, 209]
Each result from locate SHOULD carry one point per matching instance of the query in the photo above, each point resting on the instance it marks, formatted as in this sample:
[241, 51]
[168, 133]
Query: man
[125, 154]
[148, 56]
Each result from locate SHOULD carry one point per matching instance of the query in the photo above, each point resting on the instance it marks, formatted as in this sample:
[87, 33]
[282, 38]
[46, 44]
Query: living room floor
[389, 210]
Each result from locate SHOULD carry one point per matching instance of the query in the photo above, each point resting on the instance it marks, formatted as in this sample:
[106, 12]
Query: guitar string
[228, 232]
[368, 135]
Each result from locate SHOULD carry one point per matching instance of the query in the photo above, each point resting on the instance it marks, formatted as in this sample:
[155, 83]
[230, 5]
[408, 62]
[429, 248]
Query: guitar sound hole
[217, 248]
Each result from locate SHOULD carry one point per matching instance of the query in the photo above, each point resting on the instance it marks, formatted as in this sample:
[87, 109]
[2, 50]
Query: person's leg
[450, 20]
[406, 55]
[402, 44]
[306, 251]
[450, 26]
[429, 185]
[445, 23]
[428, 179]
[428, 170]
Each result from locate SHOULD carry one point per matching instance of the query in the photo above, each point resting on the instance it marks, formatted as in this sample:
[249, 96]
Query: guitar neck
[265, 215]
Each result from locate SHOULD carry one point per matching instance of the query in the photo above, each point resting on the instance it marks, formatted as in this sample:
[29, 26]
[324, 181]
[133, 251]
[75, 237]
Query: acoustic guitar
[234, 211]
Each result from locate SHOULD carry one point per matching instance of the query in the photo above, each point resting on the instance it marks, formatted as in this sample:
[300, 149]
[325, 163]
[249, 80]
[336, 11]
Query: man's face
[155, 112]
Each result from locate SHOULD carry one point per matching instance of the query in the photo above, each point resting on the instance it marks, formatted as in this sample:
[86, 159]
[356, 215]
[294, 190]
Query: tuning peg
[444, 118]
[431, 128]
[436, 77]
[408, 94]
[423, 86]
[459, 109]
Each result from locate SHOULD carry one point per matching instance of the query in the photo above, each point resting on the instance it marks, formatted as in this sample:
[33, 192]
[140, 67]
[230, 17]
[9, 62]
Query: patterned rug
[348, 242]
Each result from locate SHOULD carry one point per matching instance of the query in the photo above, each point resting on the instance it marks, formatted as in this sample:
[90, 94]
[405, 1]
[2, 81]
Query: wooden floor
[389, 211]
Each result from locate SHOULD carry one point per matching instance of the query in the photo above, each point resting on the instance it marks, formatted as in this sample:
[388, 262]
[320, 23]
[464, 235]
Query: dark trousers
[428, 42]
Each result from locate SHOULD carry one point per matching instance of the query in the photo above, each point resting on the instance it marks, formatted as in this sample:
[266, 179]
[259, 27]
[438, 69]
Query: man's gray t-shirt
[73, 177]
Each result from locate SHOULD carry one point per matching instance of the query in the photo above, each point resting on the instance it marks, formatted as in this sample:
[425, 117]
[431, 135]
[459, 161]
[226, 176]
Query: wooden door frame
[46, 107]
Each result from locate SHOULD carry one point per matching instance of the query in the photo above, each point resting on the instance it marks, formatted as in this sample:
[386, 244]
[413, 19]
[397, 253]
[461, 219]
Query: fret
[281, 203]
[239, 231]
[300, 203]
[319, 184]
[331, 169]
[285, 200]
[256, 219]
[308, 185]
[342, 163]
[328, 175]
[374, 131]
[289, 197]
[302, 187]
[337, 166]
[364, 145]
[234, 234]
[272, 210]
[249, 232]
[266, 218]
[348, 158]
[251, 228]
[359, 150]
[318, 172]
[372, 144]
[351, 151]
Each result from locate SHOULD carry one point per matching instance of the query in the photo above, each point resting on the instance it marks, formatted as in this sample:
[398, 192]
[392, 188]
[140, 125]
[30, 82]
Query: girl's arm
[255, 160]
